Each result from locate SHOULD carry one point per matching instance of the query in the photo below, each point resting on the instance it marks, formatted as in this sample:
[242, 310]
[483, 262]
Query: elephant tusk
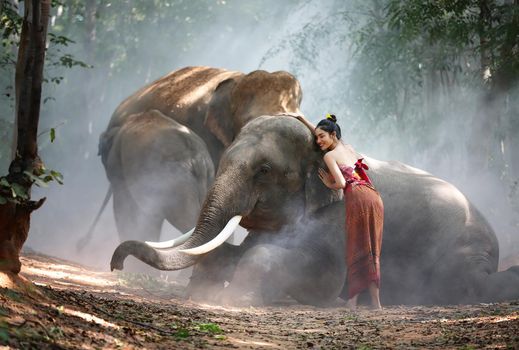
[172, 243]
[218, 240]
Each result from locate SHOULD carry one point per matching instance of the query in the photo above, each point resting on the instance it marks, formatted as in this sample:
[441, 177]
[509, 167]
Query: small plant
[467, 347]
[182, 333]
[351, 317]
[56, 332]
[3, 312]
[12, 295]
[4, 336]
[364, 347]
[209, 328]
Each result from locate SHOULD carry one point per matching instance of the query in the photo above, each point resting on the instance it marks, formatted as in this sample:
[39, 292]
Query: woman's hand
[301, 118]
[298, 116]
[326, 177]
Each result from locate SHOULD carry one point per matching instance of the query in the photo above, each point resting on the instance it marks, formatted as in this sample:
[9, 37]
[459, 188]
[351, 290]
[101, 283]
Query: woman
[364, 209]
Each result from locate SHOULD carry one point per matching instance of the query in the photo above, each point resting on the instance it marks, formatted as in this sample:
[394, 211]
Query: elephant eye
[265, 169]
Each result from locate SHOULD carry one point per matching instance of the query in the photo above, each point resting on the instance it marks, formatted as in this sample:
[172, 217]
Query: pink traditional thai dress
[364, 225]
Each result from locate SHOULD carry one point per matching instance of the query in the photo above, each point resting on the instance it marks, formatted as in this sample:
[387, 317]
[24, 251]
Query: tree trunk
[15, 216]
[484, 121]
[506, 78]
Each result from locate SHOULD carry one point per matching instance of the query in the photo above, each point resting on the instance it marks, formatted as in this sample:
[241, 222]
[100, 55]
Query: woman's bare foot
[376, 306]
[375, 297]
[352, 303]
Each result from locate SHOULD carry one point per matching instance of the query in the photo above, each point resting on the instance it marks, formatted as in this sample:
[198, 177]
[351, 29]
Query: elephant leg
[305, 262]
[212, 271]
[500, 286]
[267, 272]
[166, 168]
[132, 222]
[251, 276]
[216, 268]
[184, 206]
[318, 274]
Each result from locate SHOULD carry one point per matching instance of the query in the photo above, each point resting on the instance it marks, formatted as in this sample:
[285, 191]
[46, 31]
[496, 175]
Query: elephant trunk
[162, 259]
[228, 198]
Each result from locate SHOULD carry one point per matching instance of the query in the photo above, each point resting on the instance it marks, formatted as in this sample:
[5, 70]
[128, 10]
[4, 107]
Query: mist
[313, 40]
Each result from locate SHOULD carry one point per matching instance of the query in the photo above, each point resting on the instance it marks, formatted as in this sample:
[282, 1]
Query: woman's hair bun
[331, 117]
[329, 124]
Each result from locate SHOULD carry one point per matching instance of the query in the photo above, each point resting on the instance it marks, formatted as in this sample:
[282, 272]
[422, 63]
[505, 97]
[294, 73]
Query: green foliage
[413, 39]
[212, 328]
[3, 312]
[56, 332]
[18, 192]
[419, 63]
[4, 334]
[11, 294]
[57, 58]
[10, 22]
[68, 61]
[182, 333]
[364, 347]
[60, 40]
[10, 30]
[351, 317]
[44, 176]
[467, 347]
[503, 38]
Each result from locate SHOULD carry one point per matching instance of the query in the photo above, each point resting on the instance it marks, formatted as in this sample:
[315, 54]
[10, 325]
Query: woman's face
[324, 139]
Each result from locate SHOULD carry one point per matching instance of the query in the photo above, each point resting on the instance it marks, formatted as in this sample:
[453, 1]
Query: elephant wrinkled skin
[437, 247]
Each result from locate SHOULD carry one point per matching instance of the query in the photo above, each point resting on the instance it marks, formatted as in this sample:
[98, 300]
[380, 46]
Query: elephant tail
[83, 241]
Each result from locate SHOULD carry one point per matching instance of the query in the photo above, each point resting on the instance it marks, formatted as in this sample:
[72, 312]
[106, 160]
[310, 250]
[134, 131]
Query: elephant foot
[203, 290]
[208, 294]
[233, 299]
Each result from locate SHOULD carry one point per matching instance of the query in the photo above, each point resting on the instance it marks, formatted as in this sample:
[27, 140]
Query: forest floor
[74, 307]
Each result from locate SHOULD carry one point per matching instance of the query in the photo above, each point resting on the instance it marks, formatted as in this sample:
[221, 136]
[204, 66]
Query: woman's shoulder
[329, 155]
[334, 156]
[344, 155]
[351, 151]
[349, 148]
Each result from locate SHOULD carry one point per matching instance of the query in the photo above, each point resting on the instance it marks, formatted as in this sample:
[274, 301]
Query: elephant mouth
[261, 219]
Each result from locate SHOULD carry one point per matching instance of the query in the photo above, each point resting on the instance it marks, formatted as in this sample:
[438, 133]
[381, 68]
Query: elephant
[437, 247]
[164, 142]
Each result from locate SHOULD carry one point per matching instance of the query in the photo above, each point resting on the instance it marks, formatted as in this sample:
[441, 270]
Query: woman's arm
[334, 180]
[302, 118]
[305, 121]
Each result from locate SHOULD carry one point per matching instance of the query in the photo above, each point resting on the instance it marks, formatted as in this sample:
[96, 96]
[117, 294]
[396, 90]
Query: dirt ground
[73, 307]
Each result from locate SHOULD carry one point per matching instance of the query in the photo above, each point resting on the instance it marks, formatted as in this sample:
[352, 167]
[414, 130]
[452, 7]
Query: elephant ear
[219, 116]
[317, 195]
